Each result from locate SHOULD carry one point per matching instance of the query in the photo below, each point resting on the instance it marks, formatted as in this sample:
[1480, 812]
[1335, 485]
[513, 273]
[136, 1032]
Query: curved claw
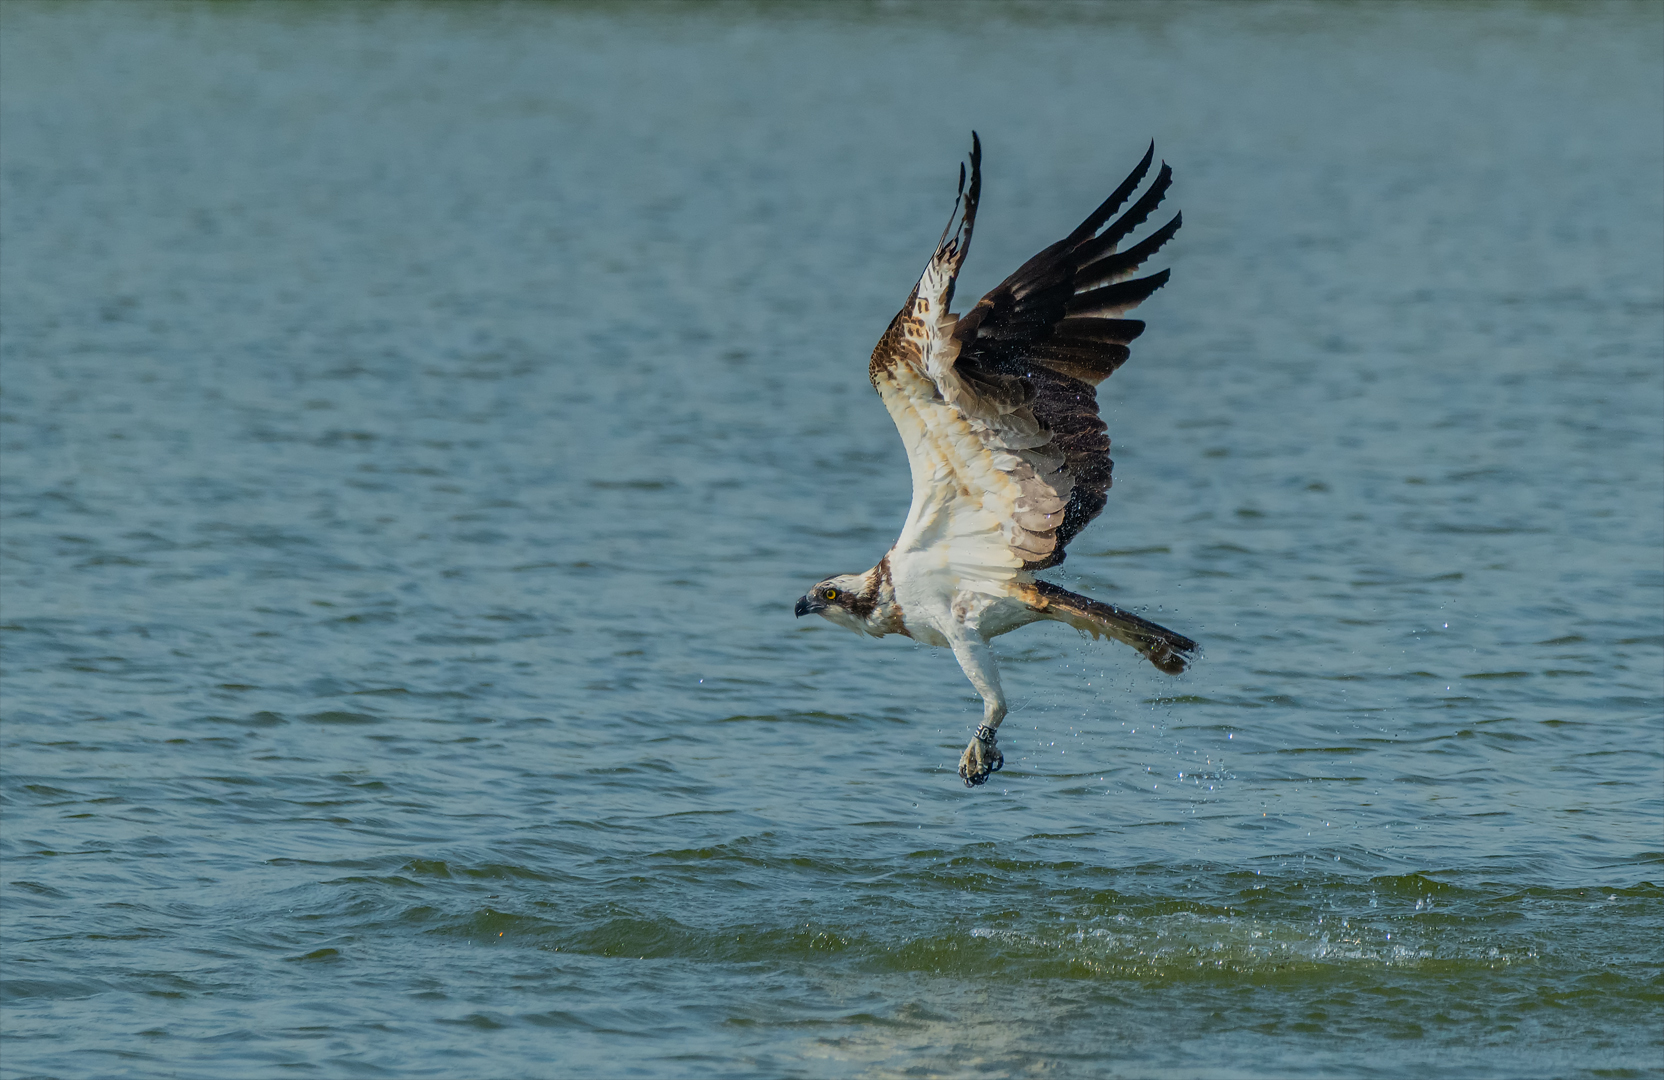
[981, 759]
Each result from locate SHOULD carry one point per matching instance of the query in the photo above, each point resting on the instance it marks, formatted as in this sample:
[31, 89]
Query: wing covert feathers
[998, 408]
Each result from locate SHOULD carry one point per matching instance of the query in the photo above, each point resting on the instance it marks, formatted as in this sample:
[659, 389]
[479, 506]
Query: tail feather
[1165, 649]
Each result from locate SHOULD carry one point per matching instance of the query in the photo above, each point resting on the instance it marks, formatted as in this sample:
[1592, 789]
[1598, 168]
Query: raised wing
[997, 410]
[1056, 325]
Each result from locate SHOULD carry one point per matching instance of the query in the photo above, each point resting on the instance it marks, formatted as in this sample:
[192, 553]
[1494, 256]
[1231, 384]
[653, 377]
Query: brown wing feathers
[952, 252]
[1054, 328]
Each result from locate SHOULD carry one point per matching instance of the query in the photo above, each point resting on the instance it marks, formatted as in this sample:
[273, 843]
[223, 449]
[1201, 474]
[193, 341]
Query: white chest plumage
[938, 604]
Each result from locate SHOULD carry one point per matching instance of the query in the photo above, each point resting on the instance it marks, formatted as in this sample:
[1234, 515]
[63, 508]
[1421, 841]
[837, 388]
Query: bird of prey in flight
[999, 413]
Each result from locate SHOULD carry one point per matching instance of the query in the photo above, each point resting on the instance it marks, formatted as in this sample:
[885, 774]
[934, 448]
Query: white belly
[936, 603]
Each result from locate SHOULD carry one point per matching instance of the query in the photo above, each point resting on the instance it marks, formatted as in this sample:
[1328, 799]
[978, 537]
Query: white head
[847, 600]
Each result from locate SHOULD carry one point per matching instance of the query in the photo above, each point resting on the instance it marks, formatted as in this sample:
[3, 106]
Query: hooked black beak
[808, 605]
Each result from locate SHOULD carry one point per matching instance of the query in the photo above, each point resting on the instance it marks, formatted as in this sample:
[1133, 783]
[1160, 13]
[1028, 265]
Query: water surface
[419, 420]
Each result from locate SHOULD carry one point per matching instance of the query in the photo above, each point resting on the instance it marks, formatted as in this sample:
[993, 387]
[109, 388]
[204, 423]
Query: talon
[980, 759]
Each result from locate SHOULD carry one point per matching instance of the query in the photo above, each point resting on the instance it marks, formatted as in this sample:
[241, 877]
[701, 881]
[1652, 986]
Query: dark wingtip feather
[1138, 212]
[1144, 163]
[1117, 331]
[1097, 218]
[1110, 268]
[1112, 300]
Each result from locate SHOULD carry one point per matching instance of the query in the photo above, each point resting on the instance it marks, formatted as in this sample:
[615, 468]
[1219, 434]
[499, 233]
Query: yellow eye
[830, 594]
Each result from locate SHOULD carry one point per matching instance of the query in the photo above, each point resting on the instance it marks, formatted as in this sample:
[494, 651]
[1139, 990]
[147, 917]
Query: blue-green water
[419, 420]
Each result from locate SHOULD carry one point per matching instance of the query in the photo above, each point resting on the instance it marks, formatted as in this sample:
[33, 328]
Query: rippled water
[418, 422]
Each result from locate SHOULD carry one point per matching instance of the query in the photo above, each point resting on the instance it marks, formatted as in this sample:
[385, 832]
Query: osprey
[1009, 459]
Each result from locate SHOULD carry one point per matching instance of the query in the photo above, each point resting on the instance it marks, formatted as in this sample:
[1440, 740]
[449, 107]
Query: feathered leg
[1166, 649]
[982, 757]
